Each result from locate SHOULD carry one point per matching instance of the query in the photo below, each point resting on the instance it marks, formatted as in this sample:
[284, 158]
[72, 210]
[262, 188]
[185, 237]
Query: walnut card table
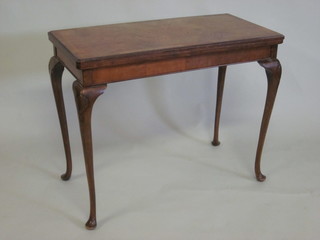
[100, 55]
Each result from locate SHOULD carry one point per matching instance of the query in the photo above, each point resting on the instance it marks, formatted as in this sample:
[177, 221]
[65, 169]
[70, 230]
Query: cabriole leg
[273, 71]
[56, 69]
[85, 98]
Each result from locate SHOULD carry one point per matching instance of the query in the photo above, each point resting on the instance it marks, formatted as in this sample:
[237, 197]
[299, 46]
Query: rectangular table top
[126, 43]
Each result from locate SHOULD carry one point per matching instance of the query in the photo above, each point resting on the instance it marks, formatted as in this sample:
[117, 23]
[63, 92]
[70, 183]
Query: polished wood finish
[85, 98]
[100, 55]
[158, 47]
[273, 71]
[154, 68]
[221, 77]
[56, 69]
[139, 42]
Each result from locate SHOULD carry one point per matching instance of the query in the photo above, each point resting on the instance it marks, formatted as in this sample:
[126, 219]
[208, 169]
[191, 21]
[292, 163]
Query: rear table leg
[221, 77]
[56, 69]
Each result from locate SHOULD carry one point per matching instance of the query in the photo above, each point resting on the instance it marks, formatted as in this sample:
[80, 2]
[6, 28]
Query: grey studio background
[157, 176]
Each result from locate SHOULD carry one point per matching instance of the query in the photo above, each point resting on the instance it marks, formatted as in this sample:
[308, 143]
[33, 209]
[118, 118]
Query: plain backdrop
[157, 176]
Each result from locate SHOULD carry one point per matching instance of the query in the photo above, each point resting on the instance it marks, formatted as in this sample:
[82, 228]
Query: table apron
[155, 68]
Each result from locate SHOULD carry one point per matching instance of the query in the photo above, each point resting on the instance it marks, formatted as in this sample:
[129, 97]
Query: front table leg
[273, 71]
[85, 98]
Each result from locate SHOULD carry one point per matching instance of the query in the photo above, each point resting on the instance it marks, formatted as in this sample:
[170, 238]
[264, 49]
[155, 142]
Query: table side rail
[69, 63]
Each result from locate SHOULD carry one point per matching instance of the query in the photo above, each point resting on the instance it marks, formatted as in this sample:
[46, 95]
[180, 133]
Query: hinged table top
[125, 43]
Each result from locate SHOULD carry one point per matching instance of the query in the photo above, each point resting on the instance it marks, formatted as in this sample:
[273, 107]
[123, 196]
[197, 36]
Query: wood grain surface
[124, 43]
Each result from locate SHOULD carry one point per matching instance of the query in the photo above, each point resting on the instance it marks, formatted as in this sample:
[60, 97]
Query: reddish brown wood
[138, 42]
[100, 55]
[221, 77]
[85, 98]
[56, 69]
[273, 71]
[154, 68]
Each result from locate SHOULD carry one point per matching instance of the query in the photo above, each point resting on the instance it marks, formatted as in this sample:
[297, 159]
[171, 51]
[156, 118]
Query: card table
[101, 55]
